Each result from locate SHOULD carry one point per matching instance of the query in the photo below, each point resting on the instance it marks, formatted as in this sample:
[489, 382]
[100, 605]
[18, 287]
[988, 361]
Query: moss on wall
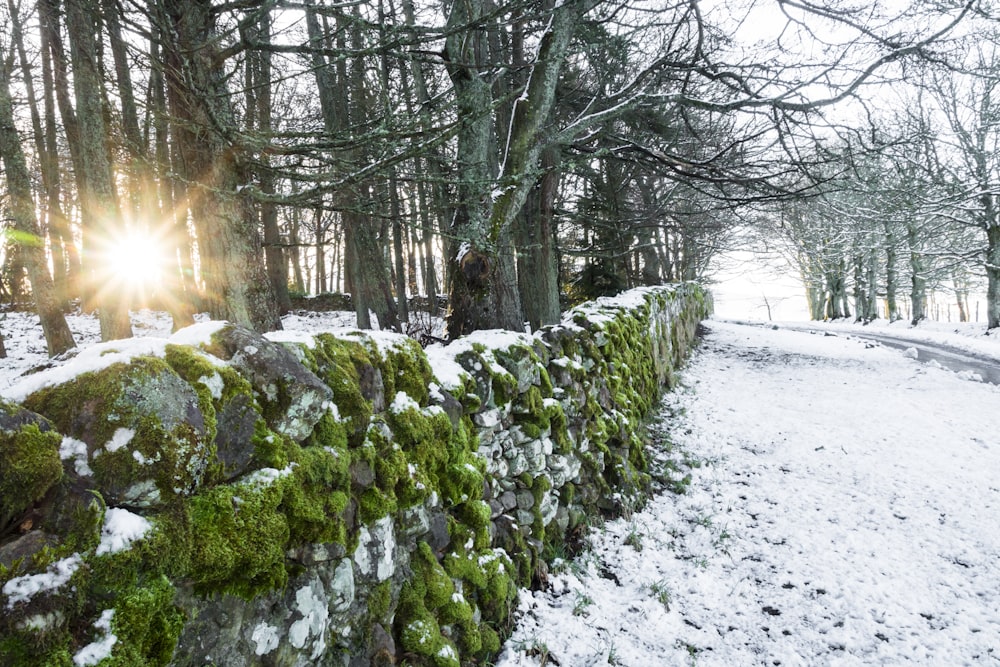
[465, 489]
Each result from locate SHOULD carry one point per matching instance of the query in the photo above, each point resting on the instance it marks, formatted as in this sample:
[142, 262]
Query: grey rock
[508, 500]
[235, 422]
[24, 547]
[525, 499]
[293, 398]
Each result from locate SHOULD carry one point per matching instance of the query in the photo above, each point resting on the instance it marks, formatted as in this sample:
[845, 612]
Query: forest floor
[840, 510]
[834, 503]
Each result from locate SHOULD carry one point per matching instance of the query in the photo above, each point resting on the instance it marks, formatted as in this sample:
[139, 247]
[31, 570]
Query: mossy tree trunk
[482, 283]
[58, 338]
[102, 221]
[179, 279]
[537, 258]
[216, 168]
[258, 103]
[57, 88]
[60, 240]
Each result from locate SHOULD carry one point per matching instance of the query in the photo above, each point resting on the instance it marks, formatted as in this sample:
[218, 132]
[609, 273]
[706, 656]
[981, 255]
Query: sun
[136, 261]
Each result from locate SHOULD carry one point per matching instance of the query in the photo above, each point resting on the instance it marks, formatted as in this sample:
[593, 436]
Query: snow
[300, 337]
[71, 448]
[972, 337]
[842, 511]
[449, 372]
[23, 588]
[120, 438]
[266, 476]
[93, 653]
[402, 402]
[121, 528]
[198, 334]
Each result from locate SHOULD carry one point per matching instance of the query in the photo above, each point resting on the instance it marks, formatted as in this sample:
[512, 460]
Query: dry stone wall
[344, 498]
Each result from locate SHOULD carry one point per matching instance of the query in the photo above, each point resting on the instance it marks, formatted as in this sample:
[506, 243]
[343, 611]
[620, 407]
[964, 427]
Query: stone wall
[344, 498]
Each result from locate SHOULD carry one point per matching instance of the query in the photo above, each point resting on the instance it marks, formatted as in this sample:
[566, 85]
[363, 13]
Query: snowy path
[846, 512]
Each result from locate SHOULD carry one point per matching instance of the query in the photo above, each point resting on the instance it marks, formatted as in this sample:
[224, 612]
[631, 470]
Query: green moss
[462, 480]
[419, 631]
[29, 467]
[374, 503]
[337, 363]
[504, 388]
[546, 383]
[490, 640]
[404, 368]
[488, 580]
[330, 432]
[430, 580]
[147, 625]
[270, 449]
[31, 649]
[314, 496]
[239, 538]
[380, 601]
[567, 493]
[475, 517]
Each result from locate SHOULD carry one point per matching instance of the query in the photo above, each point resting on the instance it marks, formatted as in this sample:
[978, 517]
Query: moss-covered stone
[292, 397]
[146, 437]
[29, 466]
[238, 537]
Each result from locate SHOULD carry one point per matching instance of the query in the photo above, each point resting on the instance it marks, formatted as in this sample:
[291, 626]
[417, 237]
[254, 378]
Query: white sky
[747, 284]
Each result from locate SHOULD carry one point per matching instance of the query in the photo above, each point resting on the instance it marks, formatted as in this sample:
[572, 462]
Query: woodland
[499, 159]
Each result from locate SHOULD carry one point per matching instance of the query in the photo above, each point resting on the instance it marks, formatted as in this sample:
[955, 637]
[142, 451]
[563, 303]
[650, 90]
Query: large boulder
[139, 429]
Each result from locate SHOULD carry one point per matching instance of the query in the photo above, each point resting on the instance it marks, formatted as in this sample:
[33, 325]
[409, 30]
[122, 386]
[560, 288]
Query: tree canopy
[513, 156]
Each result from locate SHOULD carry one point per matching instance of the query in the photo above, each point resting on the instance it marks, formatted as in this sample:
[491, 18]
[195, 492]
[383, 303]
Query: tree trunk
[918, 279]
[58, 338]
[57, 227]
[365, 263]
[101, 216]
[537, 262]
[871, 279]
[277, 269]
[229, 244]
[816, 302]
[891, 276]
[993, 276]
[860, 290]
[178, 283]
[140, 190]
[476, 281]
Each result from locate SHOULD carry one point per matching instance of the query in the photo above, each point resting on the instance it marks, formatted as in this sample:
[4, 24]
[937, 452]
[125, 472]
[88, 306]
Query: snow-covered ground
[842, 511]
[967, 336]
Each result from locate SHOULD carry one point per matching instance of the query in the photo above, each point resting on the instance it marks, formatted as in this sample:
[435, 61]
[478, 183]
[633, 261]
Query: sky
[749, 287]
